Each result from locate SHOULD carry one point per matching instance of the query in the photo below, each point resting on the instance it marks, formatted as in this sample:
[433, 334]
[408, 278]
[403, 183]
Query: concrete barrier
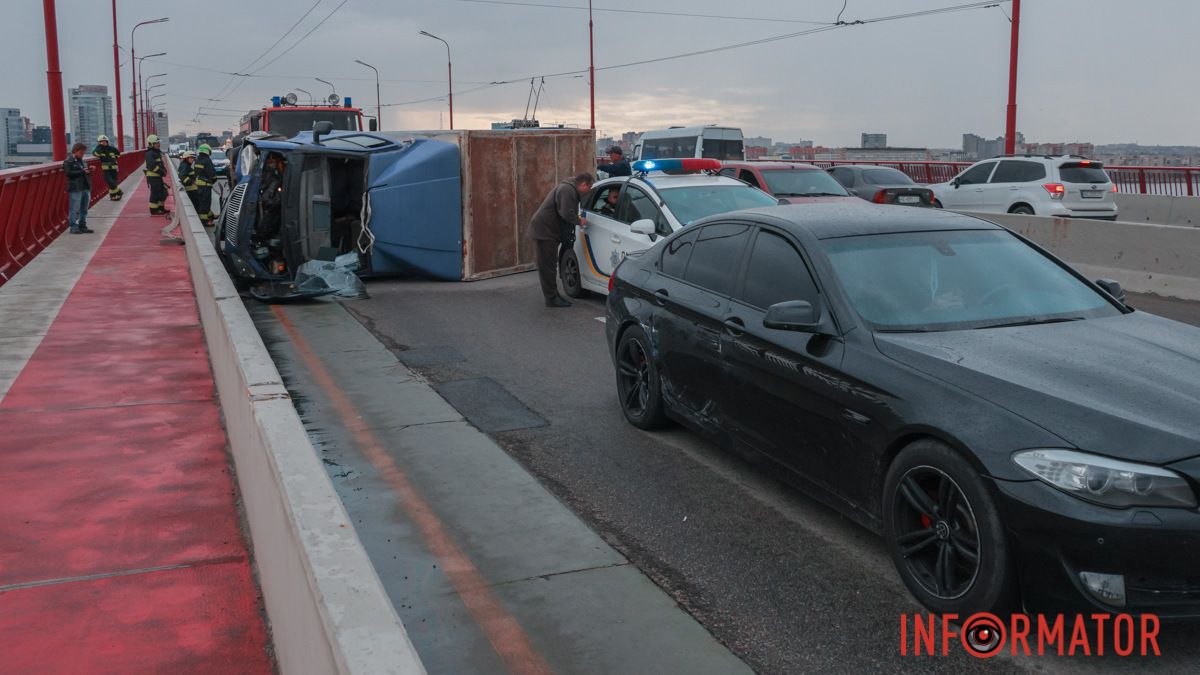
[1158, 259]
[1159, 209]
[327, 609]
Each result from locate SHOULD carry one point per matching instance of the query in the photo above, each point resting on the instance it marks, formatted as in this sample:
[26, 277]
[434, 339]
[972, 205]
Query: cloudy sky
[1091, 70]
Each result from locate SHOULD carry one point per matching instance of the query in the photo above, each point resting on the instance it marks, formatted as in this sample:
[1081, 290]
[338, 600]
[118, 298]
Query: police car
[629, 213]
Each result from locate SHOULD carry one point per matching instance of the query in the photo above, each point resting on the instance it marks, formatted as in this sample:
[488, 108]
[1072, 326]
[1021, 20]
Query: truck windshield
[288, 123]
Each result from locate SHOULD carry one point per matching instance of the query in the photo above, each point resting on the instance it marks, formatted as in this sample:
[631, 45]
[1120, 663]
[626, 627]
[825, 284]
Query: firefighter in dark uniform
[187, 175]
[206, 177]
[155, 170]
[108, 156]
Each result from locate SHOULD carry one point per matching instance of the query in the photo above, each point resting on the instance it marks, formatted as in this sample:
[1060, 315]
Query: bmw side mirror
[799, 315]
[1113, 288]
[644, 226]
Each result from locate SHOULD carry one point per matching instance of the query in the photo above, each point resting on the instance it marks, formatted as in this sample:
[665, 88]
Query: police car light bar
[688, 164]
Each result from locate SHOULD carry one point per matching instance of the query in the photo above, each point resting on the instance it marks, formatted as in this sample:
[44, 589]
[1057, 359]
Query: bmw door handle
[661, 296]
[615, 239]
[735, 326]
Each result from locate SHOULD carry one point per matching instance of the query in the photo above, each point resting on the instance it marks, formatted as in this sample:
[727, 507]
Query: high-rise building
[758, 141]
[41, 135]
[12, 131]
[874, 140]
[91, 113]
[160, 126]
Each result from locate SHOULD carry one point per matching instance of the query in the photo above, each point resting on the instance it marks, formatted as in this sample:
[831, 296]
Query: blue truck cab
[394, 201]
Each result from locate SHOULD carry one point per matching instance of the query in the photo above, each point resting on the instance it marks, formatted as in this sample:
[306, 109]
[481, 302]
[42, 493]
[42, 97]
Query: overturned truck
[450, 205]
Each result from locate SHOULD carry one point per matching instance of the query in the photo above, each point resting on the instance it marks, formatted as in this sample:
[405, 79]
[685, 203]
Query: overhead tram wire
[265, 52]
[301, 39]
[690, 15]
[986, 4]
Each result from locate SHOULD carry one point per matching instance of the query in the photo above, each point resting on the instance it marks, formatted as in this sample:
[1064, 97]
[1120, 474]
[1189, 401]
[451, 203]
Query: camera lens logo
[983, 635]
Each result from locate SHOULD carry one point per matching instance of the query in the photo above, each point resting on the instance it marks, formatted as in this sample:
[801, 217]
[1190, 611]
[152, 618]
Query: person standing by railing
[155, 170]
[109, 156]
[206, 177]
[79, 189]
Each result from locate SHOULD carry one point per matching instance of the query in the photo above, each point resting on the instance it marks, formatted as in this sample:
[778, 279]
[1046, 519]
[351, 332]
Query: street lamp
[137, 102]
[378, 107]
[332, 89]
[305, 91]
[449, 74]
[133, 72]
[146, 118]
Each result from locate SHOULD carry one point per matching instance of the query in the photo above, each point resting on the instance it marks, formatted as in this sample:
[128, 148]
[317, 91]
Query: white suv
[1044, 186]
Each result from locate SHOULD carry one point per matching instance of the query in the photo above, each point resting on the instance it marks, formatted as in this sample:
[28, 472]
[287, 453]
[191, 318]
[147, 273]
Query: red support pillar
[134, 89]
[1010, 127]
[58, 125]
[117, 90]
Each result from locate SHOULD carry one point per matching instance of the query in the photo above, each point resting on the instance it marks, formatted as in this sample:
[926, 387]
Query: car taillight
[1056, 190]
[880, 197]
[612, 281]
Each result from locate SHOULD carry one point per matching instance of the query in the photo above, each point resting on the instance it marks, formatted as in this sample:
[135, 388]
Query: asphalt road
[786, 583]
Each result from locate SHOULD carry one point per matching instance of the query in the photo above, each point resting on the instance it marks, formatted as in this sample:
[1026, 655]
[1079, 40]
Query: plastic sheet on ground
[320, 277]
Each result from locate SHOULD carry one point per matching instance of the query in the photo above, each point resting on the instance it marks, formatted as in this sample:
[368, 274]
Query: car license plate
[1092, 194]
[908, 199]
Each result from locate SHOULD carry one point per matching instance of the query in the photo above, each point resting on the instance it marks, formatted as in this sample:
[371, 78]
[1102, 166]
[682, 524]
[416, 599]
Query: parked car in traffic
[881, 184]
[1068, 186]
[790, 182]
[1019, 436]
[626, 214]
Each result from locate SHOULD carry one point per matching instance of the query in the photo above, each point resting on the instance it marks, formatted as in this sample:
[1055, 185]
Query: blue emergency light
[276, 101]
[686, 164]
[347, 99]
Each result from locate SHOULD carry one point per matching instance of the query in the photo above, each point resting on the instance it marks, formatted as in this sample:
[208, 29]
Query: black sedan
[1016, 432]
[882, 185]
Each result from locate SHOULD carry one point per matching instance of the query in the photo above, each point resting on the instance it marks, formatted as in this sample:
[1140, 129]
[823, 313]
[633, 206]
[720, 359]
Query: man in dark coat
[108, 156]
[617, 166]
[553, 224]
[79, 189]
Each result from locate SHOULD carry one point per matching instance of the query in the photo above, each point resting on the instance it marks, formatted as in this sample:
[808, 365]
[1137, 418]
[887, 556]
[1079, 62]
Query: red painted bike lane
[120, 542]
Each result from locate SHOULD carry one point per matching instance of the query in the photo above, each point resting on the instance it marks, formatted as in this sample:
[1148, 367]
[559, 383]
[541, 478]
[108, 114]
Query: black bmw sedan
[1018, 435]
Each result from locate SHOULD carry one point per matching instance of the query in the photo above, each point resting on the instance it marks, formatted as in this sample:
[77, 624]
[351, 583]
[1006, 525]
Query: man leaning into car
[553, 224]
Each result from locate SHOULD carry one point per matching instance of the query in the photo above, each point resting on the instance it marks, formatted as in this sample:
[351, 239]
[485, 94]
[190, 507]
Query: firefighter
[206, 177]
[187, 176]
[155, 170]
[108, 156]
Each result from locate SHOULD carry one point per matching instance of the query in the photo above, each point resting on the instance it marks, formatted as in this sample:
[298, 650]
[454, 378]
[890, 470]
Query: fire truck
[285, 118]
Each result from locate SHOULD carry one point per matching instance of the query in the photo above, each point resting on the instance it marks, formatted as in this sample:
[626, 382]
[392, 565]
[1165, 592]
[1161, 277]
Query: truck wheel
[568, 271]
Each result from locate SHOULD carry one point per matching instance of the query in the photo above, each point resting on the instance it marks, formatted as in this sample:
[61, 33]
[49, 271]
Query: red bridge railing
[1176, 181]
[33, 207]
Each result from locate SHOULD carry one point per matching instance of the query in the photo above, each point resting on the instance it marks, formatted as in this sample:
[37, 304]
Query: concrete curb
[1144, 258]
[326, 605]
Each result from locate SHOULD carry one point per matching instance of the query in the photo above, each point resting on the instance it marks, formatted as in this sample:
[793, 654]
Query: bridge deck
[122, 549]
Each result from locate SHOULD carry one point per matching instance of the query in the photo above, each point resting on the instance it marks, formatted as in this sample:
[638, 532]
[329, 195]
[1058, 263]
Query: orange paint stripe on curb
[503, 631]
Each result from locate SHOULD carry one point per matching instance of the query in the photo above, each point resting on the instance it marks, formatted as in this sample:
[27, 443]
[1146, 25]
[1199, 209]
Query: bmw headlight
[1106, 481]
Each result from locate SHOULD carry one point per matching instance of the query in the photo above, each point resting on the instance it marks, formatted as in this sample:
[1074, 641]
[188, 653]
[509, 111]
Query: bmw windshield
[954, 280]
[692, 203]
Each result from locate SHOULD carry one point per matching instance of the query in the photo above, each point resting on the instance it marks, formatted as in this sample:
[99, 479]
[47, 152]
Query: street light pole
[332, 89]
[117, 90]
[449, 74]
[58, 125]
[378, 106]
[133, 66]
[150, 122]
[142, 92]
[591, 65]
[305, 91]
[1010, 127]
